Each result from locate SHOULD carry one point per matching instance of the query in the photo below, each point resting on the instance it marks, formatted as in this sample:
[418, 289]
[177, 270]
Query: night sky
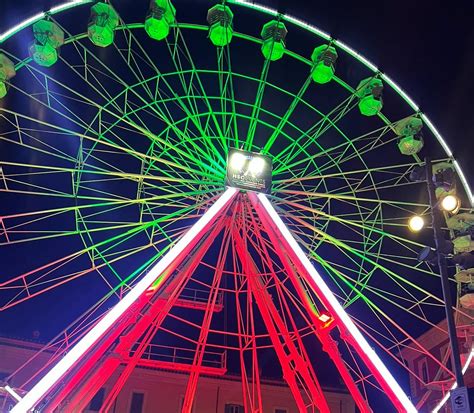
[428, 49]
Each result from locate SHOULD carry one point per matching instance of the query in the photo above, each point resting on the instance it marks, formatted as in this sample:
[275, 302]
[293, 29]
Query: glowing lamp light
[273, 35]
[256, 166]
[238, 160]
[326, 319]
[451, 204]
[369, 92]
[103, 21]
[160, 17]
[220, 19]
[416, 223]
[324, 59]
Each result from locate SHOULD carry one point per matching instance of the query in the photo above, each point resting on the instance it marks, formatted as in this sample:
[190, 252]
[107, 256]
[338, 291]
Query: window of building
[279, 410]
[234, 408]
[423, 371]
[136, 406]
[97, 400]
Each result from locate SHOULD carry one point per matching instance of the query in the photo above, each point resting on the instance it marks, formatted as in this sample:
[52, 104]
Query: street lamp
[416, 223]
[452, 204]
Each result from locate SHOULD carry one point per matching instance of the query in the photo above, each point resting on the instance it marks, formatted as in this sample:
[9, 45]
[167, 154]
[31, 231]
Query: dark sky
[427, 47]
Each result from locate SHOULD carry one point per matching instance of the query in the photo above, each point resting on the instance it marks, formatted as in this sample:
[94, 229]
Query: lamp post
[439, 243]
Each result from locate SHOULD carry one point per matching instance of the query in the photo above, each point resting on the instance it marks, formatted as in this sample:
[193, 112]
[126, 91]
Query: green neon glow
[273, 35]
[220, 20]
[410, 145]
[44, 55]
[162, 15]
[104, 20]
[323, 70]
[9, 33]
[181, 162]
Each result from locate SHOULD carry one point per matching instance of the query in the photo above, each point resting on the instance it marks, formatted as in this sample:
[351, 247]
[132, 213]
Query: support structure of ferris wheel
[134, 165]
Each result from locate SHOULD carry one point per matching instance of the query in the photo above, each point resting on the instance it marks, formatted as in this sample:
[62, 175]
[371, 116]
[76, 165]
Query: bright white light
[401, 92]
[324, 318]
[337, 308]
[464, 182]
[4, 36]
[33, 19]
[450, 203]
[12, 392]
[416, 223]
[237, 161]
[55, 374]
[68, 5]
[256, 166]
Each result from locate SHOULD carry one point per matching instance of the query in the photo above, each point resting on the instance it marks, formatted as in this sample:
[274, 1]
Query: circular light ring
[320, 33]
[416, 223]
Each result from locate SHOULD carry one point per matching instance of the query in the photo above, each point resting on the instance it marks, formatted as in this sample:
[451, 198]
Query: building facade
[152, 390]
[431, 383]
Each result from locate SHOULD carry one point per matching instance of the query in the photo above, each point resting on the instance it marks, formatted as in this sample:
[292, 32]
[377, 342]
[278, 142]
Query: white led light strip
[12, 393]
[55, 374]
[343, 316]
[33, 19]
[455, 385]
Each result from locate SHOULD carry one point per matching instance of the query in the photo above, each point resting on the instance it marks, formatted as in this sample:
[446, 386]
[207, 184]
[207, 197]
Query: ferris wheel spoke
[403, 205]
[355, 254]
[351, 224]
[227, 92]
[334, 153]
[30, 280]
[297, 98]
[312, 135]
[126, 118]
[378, 312]
[386, 169]
[257, 105]
[195, 75]
[179, 49]
[106, 142]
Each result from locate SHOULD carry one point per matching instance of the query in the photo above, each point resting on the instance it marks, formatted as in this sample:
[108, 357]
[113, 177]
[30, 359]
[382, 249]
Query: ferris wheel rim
[308, 27]
[343, 46]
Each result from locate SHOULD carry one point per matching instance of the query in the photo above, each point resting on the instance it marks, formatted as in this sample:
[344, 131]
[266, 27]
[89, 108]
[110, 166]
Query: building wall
[436, 341]
[164, 390]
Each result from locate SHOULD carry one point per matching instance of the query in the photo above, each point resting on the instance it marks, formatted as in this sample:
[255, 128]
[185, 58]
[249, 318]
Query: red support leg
[201, 345]
[387, 382]
[91, 348]
[154, 316]
[329, 345]
[295, 368]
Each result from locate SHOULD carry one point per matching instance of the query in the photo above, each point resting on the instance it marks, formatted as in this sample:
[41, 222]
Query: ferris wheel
[223, 178]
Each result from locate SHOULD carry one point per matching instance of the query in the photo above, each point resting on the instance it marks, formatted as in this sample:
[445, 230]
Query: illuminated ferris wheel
[223, 179]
